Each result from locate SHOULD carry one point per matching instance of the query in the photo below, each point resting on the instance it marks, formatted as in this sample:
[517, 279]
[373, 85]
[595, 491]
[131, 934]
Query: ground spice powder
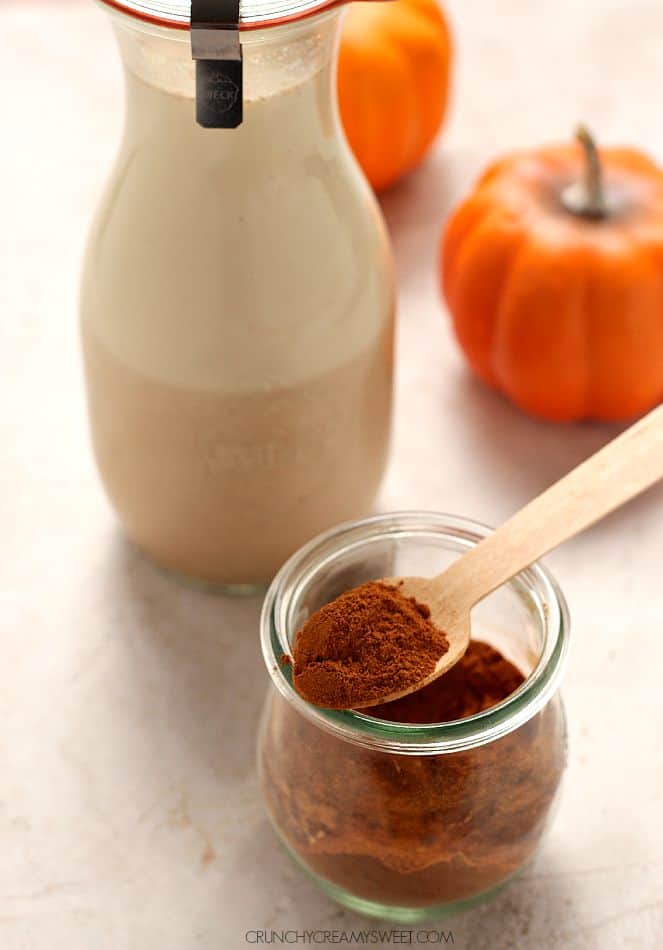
[369, 642]
[416, 830]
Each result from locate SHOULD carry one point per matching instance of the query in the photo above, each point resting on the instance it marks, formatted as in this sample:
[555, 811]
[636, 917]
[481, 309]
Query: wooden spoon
[620, 471]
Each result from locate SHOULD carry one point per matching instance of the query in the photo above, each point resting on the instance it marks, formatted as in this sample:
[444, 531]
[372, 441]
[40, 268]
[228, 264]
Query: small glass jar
[400, 821]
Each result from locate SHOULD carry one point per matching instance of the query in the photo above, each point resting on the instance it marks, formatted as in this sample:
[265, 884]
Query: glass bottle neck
[277, 60]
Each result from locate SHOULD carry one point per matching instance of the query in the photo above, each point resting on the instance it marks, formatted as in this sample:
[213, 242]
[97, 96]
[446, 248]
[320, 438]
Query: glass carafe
[237, 310]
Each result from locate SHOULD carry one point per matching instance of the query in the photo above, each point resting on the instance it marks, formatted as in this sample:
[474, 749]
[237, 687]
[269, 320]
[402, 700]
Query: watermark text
[352, 938]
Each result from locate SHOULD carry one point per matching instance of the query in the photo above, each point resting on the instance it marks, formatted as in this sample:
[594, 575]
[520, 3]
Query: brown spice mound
[369, 642]
[417, 830]
[481, 679]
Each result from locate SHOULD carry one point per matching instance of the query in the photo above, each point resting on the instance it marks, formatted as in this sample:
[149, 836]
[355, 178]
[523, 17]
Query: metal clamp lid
[216, 47]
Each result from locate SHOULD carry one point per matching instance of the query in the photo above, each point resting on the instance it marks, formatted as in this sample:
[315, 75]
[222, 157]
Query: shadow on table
[519, 456]
[538, 909]
[542, 908]
[197, 654]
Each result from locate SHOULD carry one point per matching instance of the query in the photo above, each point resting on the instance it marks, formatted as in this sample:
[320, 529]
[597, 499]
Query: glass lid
[253, 13]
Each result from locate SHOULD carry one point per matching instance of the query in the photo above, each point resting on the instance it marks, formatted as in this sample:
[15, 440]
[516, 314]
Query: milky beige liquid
[237, 325]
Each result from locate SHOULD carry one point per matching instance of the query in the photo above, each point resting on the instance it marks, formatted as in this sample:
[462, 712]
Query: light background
[129, 811]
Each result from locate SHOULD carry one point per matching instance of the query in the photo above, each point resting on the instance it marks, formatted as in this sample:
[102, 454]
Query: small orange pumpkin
[393, 84]
[553, 272]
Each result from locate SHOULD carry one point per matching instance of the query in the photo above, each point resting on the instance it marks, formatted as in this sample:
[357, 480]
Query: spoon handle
[618, 472]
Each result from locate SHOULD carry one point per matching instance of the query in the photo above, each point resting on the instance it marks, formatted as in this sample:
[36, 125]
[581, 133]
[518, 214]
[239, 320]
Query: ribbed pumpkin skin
[561, 313]
[393, 84]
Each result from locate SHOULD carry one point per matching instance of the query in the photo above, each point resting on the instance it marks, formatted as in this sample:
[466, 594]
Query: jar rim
[254, 15]
[536, 585]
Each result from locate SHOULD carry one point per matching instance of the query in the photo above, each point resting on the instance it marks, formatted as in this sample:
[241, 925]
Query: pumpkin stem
[587, 198]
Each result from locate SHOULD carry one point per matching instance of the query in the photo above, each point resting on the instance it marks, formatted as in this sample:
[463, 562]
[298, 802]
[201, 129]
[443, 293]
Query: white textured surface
[129, 813]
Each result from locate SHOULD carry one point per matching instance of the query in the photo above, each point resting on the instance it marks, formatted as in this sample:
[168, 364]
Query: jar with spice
[238, 297]
[427, 805]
